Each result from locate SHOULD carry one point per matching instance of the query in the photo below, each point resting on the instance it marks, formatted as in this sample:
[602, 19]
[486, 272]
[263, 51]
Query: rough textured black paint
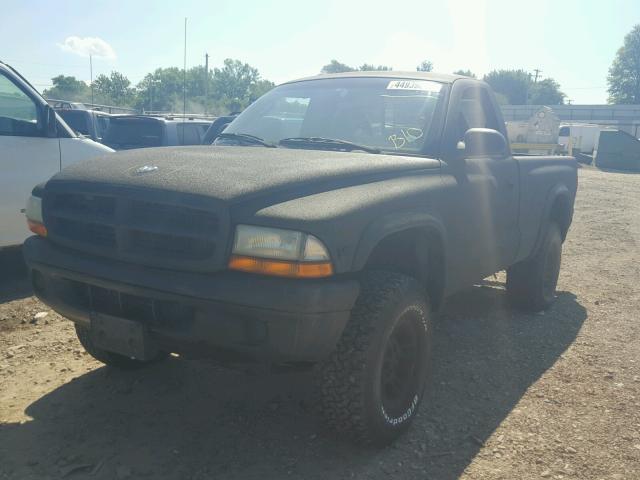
[483, 214]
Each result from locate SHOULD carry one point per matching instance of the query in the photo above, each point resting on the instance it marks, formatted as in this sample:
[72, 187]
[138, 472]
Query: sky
[572, 41]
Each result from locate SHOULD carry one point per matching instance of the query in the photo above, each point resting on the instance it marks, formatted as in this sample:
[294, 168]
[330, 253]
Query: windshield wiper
[319, 142]
[247, 138]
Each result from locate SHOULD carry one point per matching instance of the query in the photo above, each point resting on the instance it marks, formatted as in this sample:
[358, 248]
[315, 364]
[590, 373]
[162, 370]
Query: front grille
[156, 244]
[163, 314]
[91, 233]
[133, 229]
[90, 205]
[179, 218]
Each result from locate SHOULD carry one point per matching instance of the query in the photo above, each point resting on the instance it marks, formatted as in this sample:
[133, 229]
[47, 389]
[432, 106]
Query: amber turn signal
[281, 268]
[37, 228]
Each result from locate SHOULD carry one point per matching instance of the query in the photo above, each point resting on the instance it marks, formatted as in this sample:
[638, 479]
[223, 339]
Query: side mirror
[483, 142]
[51, 122]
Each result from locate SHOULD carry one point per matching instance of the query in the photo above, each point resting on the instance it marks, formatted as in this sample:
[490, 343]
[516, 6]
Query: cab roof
[435, 77]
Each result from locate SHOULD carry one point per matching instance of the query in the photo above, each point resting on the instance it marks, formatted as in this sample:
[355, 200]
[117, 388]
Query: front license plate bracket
[122, 336]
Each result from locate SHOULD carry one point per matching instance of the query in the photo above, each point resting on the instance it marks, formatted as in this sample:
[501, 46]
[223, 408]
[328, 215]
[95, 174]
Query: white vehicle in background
[582, 137]
[34, 145]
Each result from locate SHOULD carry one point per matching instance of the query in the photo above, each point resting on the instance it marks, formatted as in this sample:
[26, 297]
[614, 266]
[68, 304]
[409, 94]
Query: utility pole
[538, 72]
[206, 81]
[91, 74]
[184, 72]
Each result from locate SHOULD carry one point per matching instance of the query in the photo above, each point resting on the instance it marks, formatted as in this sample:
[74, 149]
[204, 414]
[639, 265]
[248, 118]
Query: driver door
[485, 225]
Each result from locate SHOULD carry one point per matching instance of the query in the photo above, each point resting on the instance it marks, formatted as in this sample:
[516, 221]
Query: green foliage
[114, 89]
[233, 83]
[465, 73]
[336, 67]
[425, 66]
[513, 84]
[229, 88]
[624, 73]
[68, 88]
[368, 67]
[259, 88]
[161, 90]
[546, 92]
[517, 88]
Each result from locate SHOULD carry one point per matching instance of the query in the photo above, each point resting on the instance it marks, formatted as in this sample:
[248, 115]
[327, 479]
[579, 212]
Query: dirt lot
[514, 396]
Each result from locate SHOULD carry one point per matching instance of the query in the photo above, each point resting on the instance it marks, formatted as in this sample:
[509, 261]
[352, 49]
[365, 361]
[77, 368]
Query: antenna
[184, 71]
[91, 73]
[206, 81]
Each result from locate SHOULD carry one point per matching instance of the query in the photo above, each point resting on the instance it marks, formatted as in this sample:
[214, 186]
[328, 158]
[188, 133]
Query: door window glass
[18, 112]
[476, 111]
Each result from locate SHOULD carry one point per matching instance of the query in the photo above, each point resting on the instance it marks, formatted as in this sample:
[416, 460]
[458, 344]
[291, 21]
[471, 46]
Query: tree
[624, 73]
[233, 82]
[546, 92]
[513, 84]
[114, 89]
[68, 88]
[231, 87]
[260, 88]
[336, 67]
[517, 88]
[161, 90]
[199, 82]
[465, 73]
[425, 66]
[368, 67]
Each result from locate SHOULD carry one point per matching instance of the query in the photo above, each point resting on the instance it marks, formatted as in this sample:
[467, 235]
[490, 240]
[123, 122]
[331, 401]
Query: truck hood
[235, 174]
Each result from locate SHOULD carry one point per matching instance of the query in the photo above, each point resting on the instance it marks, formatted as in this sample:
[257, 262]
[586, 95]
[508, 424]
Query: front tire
[371, 386]
[531, 284]
[112, 359]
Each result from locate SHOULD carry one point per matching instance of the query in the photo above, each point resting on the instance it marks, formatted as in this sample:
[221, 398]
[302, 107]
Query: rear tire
[371, 386]
[531, 284]
[111, 359]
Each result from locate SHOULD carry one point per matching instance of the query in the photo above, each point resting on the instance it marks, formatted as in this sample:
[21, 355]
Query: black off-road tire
[112, 359]
[371, 386]
[531, 284]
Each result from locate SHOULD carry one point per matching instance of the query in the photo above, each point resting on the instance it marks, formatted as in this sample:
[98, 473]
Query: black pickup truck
[323, 228]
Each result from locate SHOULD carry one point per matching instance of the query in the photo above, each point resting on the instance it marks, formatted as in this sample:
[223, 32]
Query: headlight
[34, 216]
[274, 251]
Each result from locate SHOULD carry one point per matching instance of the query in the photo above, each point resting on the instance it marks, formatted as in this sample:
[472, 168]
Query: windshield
[394, 115]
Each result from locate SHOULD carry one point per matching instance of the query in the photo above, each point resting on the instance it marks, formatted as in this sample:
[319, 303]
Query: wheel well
[561, 214]
[417, 252]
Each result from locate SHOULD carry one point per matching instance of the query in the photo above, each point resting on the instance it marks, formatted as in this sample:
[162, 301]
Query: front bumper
[223, 313]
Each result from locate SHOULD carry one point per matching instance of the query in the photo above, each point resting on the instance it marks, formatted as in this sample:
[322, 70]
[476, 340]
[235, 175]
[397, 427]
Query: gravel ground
[514, 396]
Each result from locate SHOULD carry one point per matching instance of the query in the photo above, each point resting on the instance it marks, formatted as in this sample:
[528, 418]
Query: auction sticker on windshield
[423, 85]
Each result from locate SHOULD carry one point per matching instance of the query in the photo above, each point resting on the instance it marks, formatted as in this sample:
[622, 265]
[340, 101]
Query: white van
[583, 137]
[34, 144]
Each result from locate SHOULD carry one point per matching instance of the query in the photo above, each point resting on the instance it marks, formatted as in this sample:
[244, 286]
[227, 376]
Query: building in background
[622, 117]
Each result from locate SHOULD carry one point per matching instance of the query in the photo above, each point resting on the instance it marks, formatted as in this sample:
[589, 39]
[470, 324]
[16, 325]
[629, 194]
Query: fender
[558, 191]
[393, 223]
